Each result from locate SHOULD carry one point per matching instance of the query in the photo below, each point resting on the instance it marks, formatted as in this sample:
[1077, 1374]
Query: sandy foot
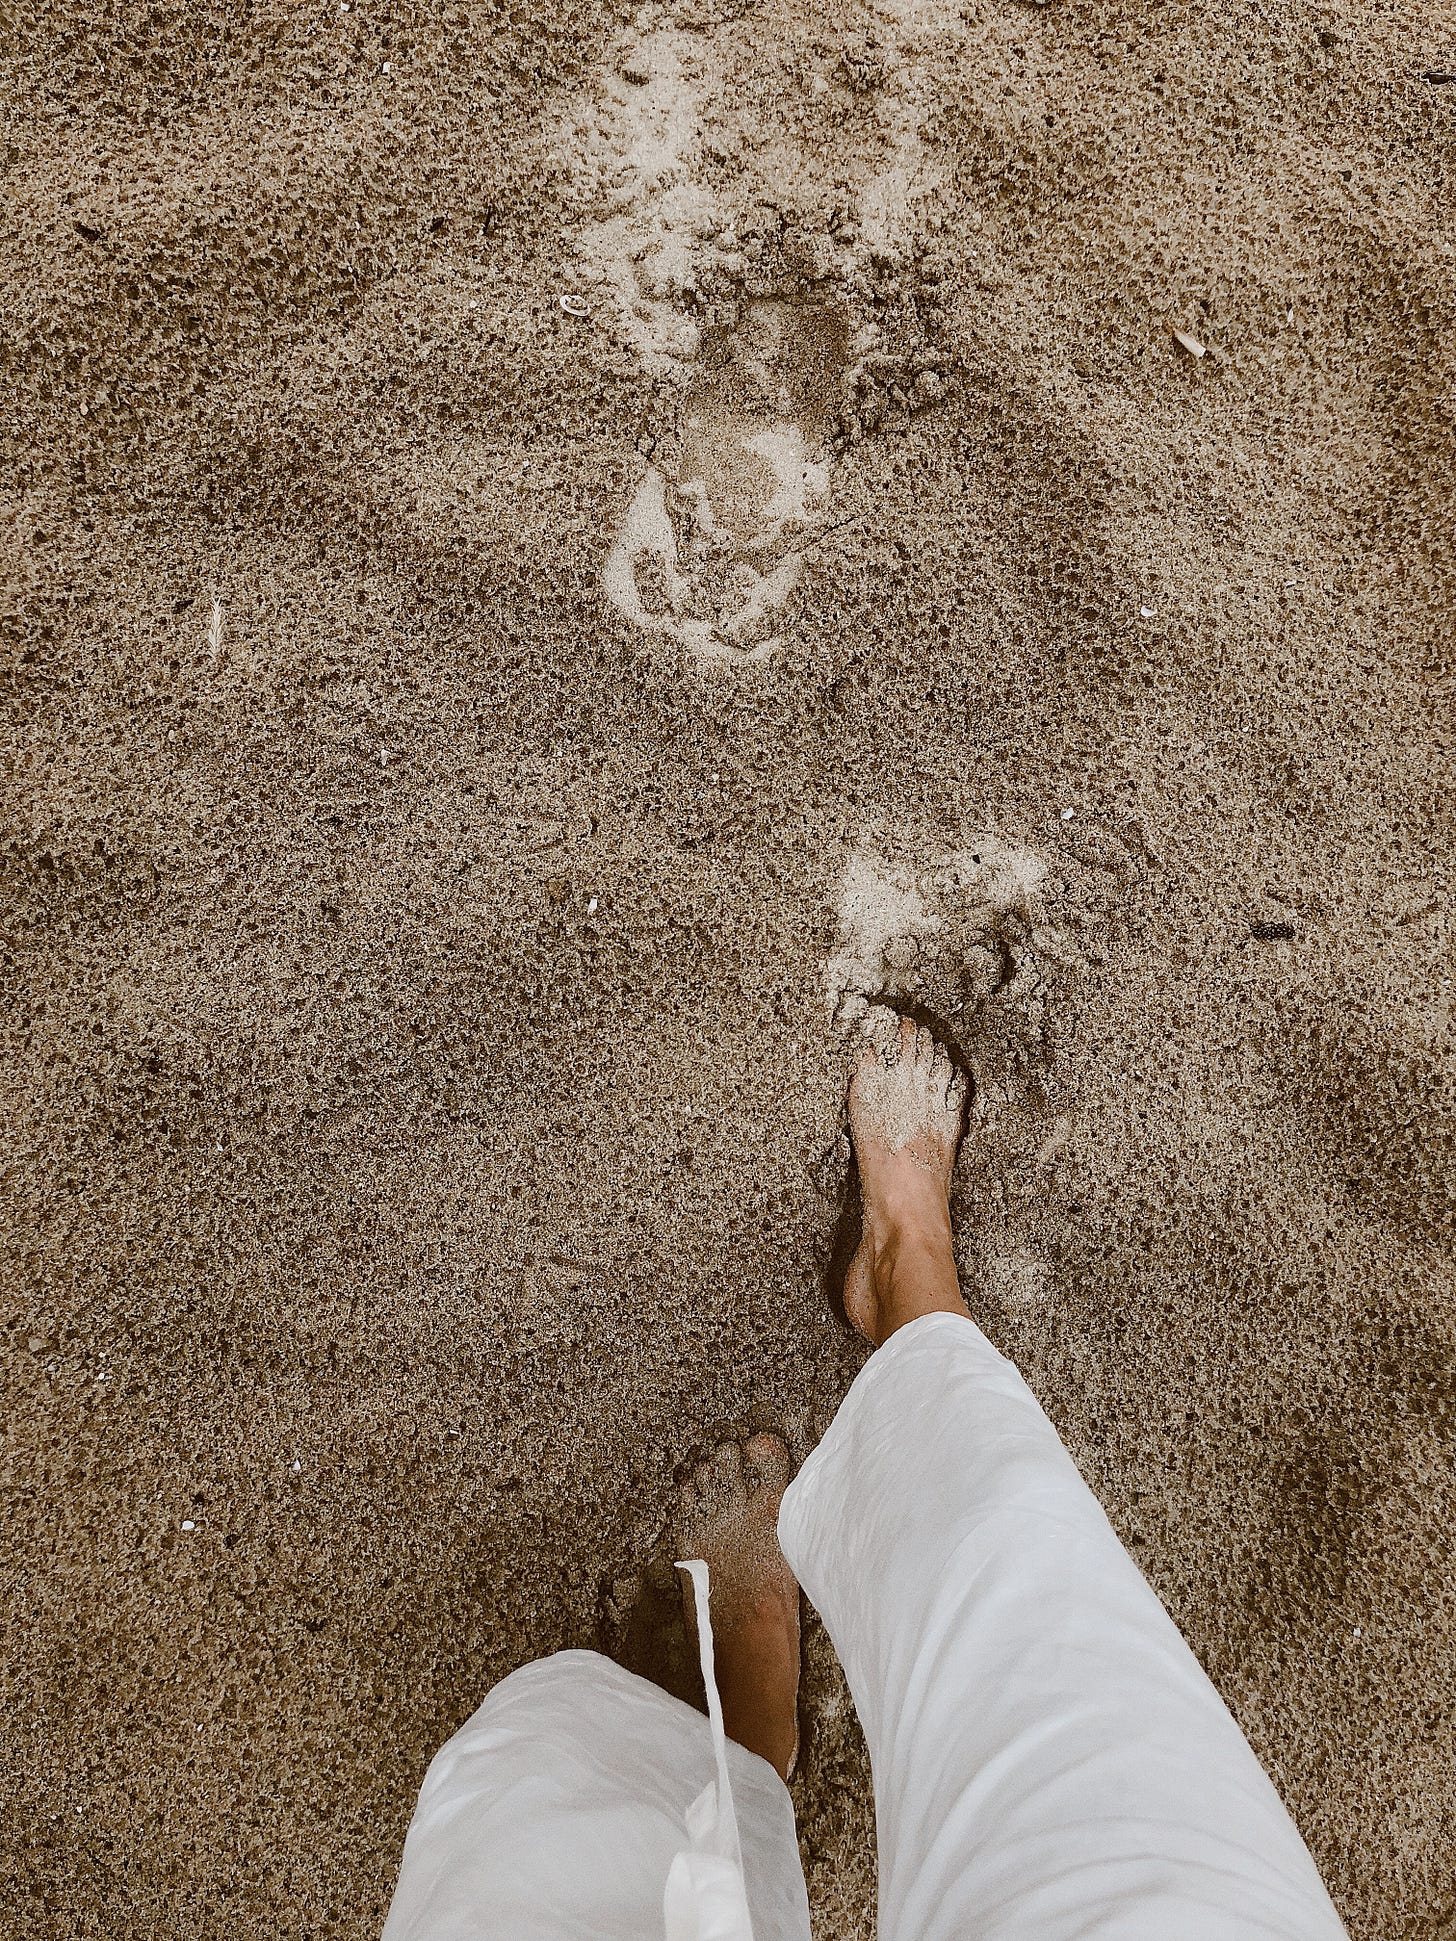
[907, 1106]
[728, 1516]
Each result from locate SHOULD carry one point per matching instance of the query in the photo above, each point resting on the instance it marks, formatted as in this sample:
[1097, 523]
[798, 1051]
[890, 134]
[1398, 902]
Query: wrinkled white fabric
[557, 1813]
[1050, 1762]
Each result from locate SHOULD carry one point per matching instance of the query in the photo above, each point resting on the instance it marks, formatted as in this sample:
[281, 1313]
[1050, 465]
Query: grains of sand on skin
[897, 1112]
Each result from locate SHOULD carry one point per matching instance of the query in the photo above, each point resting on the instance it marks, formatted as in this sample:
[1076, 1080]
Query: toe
[940, 1069]
[767, 1462]
[865, 1059]
[906, 1046]
[925, 1048]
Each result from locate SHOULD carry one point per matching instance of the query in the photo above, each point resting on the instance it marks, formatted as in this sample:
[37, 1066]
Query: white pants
[1050, 1762]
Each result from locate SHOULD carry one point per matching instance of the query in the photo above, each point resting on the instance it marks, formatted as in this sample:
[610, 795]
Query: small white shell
[574, 306]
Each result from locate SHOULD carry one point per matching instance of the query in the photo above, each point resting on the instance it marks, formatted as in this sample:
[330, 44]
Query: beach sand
[552, 555]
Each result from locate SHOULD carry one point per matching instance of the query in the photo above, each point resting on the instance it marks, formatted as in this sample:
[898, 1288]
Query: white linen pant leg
[556, 1811]
[1049, 1760]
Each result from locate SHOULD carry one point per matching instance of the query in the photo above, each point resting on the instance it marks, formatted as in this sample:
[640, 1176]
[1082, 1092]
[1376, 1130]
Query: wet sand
[469, 758]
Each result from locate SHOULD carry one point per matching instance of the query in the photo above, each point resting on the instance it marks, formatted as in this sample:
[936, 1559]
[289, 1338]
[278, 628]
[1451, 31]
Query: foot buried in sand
[728, 1516]
[907, 1106]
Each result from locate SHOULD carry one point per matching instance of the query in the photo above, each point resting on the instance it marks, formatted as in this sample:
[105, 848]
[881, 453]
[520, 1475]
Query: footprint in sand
[713, 543]
[946, 934]
[687, 137]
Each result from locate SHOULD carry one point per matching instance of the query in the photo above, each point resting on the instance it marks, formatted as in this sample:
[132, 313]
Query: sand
[426, 968]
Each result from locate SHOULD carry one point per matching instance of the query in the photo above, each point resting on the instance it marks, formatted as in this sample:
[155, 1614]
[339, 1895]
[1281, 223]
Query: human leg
[728, 1515]
[559, 1809]
[1049, 1759]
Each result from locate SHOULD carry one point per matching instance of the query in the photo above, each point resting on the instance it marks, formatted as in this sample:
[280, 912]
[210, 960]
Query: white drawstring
[704, 1899]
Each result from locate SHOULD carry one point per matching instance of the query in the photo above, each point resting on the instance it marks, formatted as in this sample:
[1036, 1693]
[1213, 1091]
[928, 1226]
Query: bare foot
[728, 1516]
[907, 1107]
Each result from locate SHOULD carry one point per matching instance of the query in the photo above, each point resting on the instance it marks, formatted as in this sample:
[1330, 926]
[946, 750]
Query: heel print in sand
[681, 163]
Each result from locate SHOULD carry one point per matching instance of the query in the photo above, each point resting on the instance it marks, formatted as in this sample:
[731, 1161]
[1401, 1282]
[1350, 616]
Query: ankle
[758, 1678]
[914, 1275]
[909, 1224]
